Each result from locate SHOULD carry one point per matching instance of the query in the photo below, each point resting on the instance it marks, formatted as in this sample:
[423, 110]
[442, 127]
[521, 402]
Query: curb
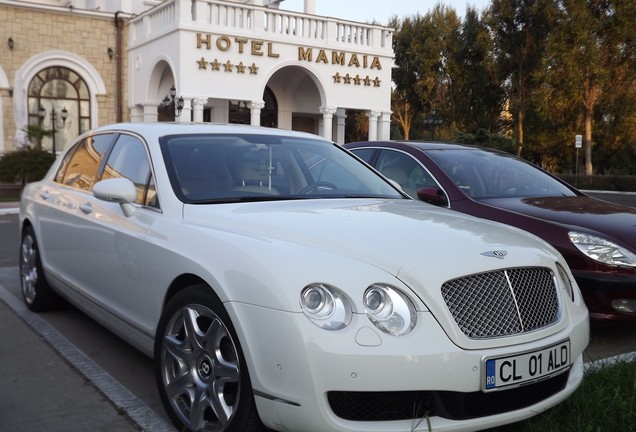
[596, 365]
[9, 211]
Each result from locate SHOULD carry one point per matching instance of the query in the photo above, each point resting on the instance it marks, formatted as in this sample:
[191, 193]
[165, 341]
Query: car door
[59, 207]
[109, 244]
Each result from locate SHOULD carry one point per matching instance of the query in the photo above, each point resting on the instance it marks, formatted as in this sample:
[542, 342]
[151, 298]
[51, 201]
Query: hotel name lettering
[260, 48]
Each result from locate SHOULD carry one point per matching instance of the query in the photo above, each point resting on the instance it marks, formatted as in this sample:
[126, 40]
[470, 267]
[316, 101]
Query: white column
[373, 124]
[255, 112]
[197, 109]
[385, 126]
[136, 114]
[150, 112]
[341, 116]
[327, 121]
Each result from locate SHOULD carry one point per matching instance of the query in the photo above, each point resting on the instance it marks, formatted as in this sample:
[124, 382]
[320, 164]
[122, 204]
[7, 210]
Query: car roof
[422, 145]
[158, 129]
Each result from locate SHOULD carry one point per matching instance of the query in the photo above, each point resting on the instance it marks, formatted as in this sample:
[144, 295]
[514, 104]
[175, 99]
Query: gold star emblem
[337, 78]
[240, 68]
[202, 63]
[215, 65]
[356, 80]
[253, 69]
[347, 79]
[367, 81]
[228, 66]
[376, 82]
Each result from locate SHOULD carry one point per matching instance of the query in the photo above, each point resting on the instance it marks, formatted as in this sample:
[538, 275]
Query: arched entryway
[298, 97]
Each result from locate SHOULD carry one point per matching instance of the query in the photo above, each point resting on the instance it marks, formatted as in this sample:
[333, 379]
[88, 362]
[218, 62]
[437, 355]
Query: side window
[405, 170]
[130, 160]
[80, 166]
[364, 153]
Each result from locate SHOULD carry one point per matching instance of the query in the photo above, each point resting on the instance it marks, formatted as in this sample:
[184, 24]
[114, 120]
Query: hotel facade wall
[49, 36]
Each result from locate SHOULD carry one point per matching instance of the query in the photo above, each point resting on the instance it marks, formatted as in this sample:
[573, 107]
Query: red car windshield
[485, 174]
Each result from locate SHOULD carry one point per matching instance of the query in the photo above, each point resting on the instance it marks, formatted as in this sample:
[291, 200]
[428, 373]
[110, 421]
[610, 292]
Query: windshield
[484, 174]
[230, 168]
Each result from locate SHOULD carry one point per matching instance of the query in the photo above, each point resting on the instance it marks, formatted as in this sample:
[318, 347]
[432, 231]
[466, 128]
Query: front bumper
[603, 293]
[303, 375]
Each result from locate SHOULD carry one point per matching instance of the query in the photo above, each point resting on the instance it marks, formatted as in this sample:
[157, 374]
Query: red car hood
[604, 217]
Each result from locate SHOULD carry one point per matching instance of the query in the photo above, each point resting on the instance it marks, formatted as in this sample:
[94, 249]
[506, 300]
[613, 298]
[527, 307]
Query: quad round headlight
[389, 309]
[326, 306]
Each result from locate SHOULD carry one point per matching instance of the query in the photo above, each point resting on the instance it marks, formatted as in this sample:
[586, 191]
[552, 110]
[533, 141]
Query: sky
[380, 10]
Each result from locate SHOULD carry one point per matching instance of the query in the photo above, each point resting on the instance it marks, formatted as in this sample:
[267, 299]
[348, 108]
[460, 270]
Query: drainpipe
[118, 71]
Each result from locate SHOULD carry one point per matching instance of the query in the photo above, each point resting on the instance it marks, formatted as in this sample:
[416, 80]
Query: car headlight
[566, 283]
[390, 310]
[325, 306]
[602, 250]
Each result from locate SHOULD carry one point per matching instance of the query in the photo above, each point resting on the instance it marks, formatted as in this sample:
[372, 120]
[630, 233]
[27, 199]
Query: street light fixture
[54, 125]
[434, 120]
[177, 104]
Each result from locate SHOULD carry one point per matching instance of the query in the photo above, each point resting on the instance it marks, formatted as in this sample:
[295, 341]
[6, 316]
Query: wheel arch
[180, 283]
[26, 223]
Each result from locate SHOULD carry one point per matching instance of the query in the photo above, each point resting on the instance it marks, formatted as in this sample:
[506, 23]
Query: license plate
[501, 372]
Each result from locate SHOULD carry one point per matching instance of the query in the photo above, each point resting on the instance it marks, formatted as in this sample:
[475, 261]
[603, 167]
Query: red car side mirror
[431, 195]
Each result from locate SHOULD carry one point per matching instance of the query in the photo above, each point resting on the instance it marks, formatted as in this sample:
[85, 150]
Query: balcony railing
[259, 22]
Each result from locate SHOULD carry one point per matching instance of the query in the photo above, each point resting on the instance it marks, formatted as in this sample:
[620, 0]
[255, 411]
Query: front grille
[407, 405]
[503, 302]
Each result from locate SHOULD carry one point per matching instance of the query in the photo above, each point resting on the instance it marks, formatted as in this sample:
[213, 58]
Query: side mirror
[431, 195]
[119, 190]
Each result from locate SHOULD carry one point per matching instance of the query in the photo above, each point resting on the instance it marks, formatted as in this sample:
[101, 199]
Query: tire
[36, 292]
[200, 369]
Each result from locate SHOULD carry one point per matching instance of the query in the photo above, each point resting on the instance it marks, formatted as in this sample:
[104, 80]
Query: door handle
[86, 208]
[44, 195]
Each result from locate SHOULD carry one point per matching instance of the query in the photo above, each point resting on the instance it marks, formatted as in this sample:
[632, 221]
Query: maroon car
[597, 238]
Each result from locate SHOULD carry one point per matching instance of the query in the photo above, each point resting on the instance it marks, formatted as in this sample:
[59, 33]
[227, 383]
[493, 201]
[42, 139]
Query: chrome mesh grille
[503, 302]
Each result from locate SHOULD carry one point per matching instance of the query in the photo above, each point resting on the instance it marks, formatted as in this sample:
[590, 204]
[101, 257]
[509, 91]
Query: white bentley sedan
[279, 282]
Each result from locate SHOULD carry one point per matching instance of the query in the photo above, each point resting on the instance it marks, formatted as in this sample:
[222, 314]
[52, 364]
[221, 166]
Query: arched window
[52, 91]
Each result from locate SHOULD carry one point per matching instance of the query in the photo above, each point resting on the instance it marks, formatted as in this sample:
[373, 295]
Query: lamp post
[434, 120]
[174, 102]
[53, 116]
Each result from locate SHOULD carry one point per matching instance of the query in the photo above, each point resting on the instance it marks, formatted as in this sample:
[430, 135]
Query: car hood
[394, 235]
[282, 246]
[577, 211]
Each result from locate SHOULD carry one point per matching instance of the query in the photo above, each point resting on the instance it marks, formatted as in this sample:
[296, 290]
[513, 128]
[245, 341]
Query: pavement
[48, 384]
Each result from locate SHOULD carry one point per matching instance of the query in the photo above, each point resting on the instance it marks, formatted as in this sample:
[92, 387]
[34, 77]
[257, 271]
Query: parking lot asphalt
[40, 390]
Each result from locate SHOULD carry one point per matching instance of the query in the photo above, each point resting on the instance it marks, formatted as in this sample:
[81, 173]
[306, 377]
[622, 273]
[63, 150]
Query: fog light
[624, 305]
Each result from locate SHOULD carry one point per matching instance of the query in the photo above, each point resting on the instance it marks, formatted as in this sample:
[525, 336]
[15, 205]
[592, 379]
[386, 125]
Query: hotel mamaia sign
[260, 48]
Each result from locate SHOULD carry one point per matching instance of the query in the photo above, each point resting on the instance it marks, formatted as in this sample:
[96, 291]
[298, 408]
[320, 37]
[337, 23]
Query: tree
[403, 113]
[589, 58]
[35, 133]
[423, 47]
[477, 93]
[519, 29]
